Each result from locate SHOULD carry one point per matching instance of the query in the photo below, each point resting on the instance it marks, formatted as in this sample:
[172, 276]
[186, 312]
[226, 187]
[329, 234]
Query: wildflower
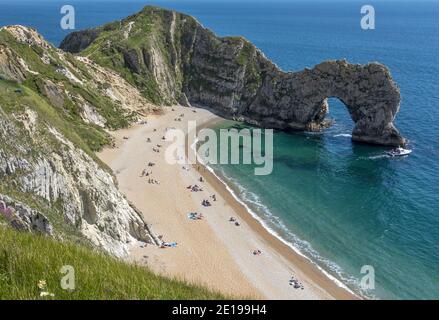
[42, 284]
[46, 294]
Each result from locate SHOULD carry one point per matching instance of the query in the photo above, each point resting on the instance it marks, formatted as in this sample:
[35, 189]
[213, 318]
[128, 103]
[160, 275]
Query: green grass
[26, 258]
[116, 117]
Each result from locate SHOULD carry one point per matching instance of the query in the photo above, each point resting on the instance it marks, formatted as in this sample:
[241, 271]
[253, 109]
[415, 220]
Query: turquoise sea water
[344, 205]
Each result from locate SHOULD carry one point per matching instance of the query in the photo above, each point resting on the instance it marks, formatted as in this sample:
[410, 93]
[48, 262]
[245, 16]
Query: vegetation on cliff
[55, 112]
[173, 58]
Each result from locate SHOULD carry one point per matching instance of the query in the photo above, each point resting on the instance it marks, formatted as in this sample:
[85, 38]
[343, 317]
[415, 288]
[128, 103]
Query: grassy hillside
[165, 53]
[25, 259]
[64, 96]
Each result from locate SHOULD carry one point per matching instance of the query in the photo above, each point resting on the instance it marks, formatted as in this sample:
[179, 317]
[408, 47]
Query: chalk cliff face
[172, 58]
[54, 112]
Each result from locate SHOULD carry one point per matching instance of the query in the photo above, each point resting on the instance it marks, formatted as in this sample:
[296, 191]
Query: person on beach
[206, 203]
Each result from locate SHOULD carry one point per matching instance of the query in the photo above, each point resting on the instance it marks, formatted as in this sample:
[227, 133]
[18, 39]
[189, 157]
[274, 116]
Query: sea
[351, 209]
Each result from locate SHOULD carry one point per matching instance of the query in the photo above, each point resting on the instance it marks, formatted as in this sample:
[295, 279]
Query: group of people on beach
[206, 203]
[233, 219]
[178, 119]
[195, 216]
[296, 283]
[153, 181]
[195, 188]
[164, 244]
[146, 173]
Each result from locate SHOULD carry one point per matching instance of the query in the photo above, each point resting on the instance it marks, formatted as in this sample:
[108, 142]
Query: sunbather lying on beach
[296, 284]
[168, 245]
[153, 181]
[195, 216]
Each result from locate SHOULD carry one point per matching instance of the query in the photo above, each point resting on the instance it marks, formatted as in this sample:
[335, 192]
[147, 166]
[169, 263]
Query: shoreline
[212, 251]
[331, 284]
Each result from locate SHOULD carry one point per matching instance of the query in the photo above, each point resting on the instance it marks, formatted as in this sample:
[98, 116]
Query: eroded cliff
[172, 58]
[55, 110]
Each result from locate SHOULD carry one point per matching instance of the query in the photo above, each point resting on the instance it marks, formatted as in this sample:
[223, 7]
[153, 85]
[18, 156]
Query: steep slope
[172, 58]
[26, 259]
[55, 110]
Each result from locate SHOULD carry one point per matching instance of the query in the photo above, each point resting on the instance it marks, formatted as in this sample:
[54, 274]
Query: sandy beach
[212, 251]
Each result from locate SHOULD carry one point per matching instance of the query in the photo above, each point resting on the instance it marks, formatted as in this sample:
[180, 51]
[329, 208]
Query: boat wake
[343, 135]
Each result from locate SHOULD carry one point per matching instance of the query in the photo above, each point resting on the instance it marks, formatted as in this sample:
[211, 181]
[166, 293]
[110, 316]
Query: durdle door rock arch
[235, 78]
[175, 59]
[367, 91]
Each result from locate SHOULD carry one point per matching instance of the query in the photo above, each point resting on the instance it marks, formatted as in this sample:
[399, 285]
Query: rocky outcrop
[188, 63]
[298, 101]
[22, 217]
[76, 43]
[79, 192]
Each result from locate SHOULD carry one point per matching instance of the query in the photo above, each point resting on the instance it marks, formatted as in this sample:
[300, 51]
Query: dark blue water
[344, 205]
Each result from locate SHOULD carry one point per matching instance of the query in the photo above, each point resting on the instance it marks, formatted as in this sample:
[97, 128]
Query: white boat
[399, 152]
